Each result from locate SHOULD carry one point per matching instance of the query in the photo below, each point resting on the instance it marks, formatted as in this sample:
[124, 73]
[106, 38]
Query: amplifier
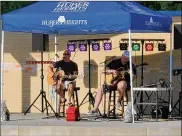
[177, 72]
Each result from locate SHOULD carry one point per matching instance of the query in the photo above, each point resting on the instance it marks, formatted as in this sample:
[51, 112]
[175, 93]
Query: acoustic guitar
[52, 77]
[113, 79]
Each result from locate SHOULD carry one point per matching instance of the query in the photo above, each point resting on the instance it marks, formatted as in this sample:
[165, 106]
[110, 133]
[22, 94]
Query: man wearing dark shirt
[114, 66]
[70, 69]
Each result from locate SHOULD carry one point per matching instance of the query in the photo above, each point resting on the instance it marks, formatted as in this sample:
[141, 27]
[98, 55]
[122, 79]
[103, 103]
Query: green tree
[162, 5]
[8, 6]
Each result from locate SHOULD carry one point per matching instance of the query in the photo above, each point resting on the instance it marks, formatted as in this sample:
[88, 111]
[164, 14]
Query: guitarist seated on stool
[120, 85]
[70, 69]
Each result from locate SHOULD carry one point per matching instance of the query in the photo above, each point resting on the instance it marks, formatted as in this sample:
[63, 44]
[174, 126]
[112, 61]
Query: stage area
[34, 125]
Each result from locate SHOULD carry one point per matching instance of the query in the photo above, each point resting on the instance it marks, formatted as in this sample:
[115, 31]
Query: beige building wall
[22, 81]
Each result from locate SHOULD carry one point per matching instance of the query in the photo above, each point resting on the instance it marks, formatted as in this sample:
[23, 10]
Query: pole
[180, 93]
[131, 72]
[42, 78]
[55, 59]
[142, 77]
[89, 42]
[2, 64]
[170, 74]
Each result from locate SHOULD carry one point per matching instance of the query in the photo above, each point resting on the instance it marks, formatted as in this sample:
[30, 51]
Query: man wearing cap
[115, 66]
[70, 69]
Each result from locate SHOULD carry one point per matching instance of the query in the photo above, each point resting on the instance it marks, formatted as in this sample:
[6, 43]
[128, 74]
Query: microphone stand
[105, 115]
[142, 78]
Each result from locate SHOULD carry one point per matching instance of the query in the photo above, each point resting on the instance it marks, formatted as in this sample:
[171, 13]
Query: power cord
[75, 54]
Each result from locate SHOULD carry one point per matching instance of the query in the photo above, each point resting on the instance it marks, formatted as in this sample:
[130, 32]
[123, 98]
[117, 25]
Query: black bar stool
[112, 103]
[63, 105]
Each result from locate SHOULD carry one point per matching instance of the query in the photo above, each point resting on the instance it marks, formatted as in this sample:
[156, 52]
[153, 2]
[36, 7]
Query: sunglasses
[66, 54]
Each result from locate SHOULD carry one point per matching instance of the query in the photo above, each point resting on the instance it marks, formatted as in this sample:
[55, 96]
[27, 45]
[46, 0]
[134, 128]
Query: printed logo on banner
[63, 21]
[71, 7]
[67, 7]
[134, 7]
[151, 22]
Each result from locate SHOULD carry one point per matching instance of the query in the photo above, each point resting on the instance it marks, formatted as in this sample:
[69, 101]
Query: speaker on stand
[39, 44]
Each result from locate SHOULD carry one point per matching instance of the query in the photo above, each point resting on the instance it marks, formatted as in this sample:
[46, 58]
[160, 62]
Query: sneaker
[92, 113]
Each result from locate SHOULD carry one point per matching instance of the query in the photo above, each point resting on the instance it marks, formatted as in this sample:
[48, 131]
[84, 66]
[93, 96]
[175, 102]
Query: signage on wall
[149, 46]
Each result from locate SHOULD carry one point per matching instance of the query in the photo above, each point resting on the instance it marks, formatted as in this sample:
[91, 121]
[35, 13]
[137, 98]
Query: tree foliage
[8, 6]
[162, 5]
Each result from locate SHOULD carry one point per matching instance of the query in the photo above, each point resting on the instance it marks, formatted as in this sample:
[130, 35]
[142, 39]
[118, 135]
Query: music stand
[43, 94]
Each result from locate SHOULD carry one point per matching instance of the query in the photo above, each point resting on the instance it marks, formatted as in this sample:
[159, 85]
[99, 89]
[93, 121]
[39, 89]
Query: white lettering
[71, 7]
[44, 22]
[52, 23]
[134, 7]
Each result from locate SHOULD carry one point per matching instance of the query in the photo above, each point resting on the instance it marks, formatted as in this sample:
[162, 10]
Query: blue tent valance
[171, 13]
[70, 18]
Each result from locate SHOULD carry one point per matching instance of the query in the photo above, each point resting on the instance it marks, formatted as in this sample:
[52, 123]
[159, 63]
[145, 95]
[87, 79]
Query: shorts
[66, 83]
[108, 88]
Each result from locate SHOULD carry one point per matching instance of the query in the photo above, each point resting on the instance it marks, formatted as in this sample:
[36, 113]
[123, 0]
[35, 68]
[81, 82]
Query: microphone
[113, 57]
[108, 59]
[57, 55]
[145, 63]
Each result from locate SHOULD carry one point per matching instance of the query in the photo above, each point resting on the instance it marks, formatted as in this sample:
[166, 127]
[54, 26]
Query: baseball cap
[126, 54]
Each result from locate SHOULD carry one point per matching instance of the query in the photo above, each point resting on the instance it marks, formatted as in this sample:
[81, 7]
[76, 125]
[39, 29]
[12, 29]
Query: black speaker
[177, 36]
[40, 42]
[180, 103]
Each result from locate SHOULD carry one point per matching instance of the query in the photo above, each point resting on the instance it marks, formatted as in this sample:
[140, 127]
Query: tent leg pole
[2, 64]
[131, 73]
[55, 59]
[170, 74]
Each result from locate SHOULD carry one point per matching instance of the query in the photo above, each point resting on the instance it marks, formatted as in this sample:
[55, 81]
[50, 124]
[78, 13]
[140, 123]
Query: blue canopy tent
[171, 13]
[85, 18]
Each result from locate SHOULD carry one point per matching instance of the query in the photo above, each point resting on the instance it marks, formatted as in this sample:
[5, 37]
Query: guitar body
[108, 79]
[113, 79]
[52, 76]
[120, 76]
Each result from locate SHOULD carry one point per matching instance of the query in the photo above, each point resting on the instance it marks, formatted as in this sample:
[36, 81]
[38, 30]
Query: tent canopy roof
[68, 18]
[171, 13]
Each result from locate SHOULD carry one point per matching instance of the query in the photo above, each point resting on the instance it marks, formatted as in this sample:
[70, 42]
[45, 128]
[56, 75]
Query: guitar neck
[69, 76]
